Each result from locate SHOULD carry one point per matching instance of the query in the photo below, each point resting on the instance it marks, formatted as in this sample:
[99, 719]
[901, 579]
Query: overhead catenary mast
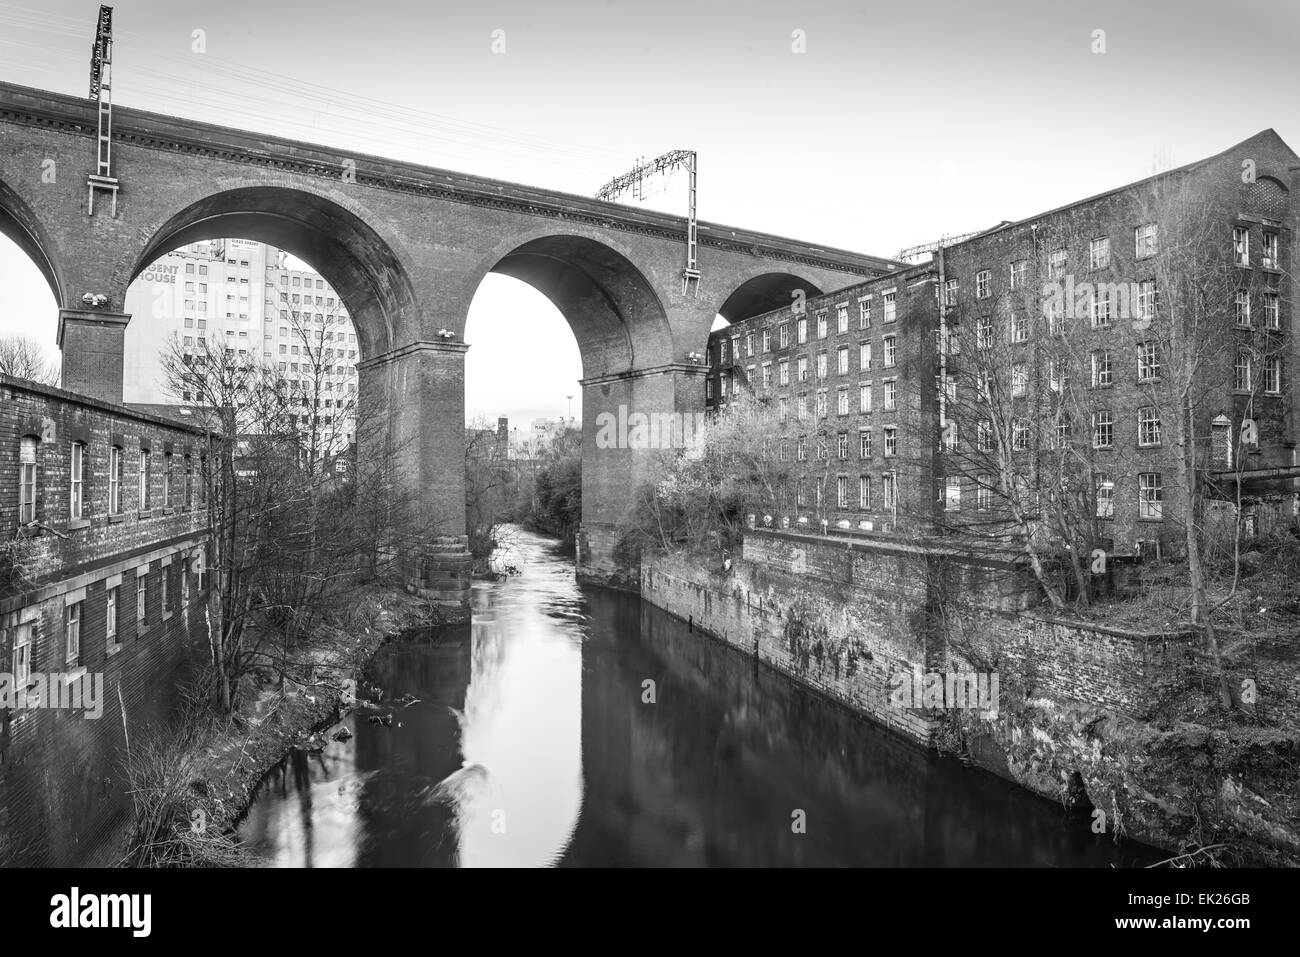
[633, 182]
[101, 90]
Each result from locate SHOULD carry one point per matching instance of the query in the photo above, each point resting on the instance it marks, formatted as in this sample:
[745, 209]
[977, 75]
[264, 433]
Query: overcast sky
[900, 122]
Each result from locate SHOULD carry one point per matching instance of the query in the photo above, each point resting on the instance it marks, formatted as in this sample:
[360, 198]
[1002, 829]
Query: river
[525, 739]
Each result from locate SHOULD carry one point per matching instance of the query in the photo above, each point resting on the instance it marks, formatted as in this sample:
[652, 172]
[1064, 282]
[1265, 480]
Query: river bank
[1106, 721]
[215, 766]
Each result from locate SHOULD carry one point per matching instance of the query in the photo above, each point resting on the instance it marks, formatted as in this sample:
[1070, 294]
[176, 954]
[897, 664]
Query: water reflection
[524, 740]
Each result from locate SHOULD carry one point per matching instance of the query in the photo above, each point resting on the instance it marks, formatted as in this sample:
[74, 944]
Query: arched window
[27, 479]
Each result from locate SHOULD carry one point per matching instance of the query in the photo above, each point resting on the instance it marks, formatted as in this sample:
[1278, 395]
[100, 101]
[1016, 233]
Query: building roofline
[76, 398]
[1165, 174]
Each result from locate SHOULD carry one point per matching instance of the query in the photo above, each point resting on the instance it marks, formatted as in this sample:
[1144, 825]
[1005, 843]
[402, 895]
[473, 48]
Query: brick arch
[615, 313]
[368, 271]
[20, 224]
[763, 292]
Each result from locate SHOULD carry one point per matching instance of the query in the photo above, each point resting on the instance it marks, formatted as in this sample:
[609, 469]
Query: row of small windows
[1149, 484]
[1145, 245]
[865, 499]
[761, 341]
[74, 618]
[29, 480]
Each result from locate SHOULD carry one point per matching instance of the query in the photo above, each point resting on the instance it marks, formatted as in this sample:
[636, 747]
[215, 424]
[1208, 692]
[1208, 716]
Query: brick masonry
[62, 798]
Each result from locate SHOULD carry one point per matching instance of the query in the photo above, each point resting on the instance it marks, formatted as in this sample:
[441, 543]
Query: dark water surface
[530, 744]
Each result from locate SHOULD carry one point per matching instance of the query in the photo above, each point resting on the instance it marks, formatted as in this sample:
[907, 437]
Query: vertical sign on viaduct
[406, 246]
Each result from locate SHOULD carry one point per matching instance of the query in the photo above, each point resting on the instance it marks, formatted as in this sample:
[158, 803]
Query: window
[1018, 273]
[891, 351]
[189, 483]
[1148, 302]
[185, 583]
[842, 402]
[1241, 372]
[864, 397]
[984, 435]
[821, 404]
[767, 340]
[982, 284]
[821, 365]
[952, 494]
[114, 480]
[950, 292]
[1150, 496]
[1272, 317]
[864, 356]
[891, 441]
[1101, 312]
[143, 490]
[26, 480]
[783, 372]
[984, 332]
[842, 491]
[22, 659]
[782, 412]
[1099, 253]
[1054, 309]
[1144, 241]
[950, 435]
[167, 480]
[1054, 374]
[842, 317]
[864, 313]
[1105, 495]
[767, 377]
[783, 334]
[110, 618]
[749, 343]
[891, 307]
[822, 451]
[1101, 372]
[1148, 362]
[842, 445]
[889, 486]
[1148, 426]
[708, 388]
[1019, 379]
[801, 331]
[891, 395]
[842, 360]
[72, 631]
[864, 444]
[802, 369]
[800, 494]
[821, 325]
[1056, 264]
[1020, 432]
[864, 491]
[1019, 326]
[1103, 430]
[801, 451]
[1241, 245]
[1272, 375]
[983, 491]
[1269, 258]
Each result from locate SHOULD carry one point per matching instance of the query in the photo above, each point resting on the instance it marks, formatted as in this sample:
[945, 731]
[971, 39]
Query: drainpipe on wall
[943, 369]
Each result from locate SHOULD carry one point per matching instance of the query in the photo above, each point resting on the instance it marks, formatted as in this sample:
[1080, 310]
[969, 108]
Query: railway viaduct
[406, 246]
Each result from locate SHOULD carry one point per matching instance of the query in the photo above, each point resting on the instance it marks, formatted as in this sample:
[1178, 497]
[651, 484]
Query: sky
[895, 125]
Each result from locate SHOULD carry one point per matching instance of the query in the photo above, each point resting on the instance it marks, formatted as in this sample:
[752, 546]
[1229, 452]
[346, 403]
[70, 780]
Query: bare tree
[22, 358]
